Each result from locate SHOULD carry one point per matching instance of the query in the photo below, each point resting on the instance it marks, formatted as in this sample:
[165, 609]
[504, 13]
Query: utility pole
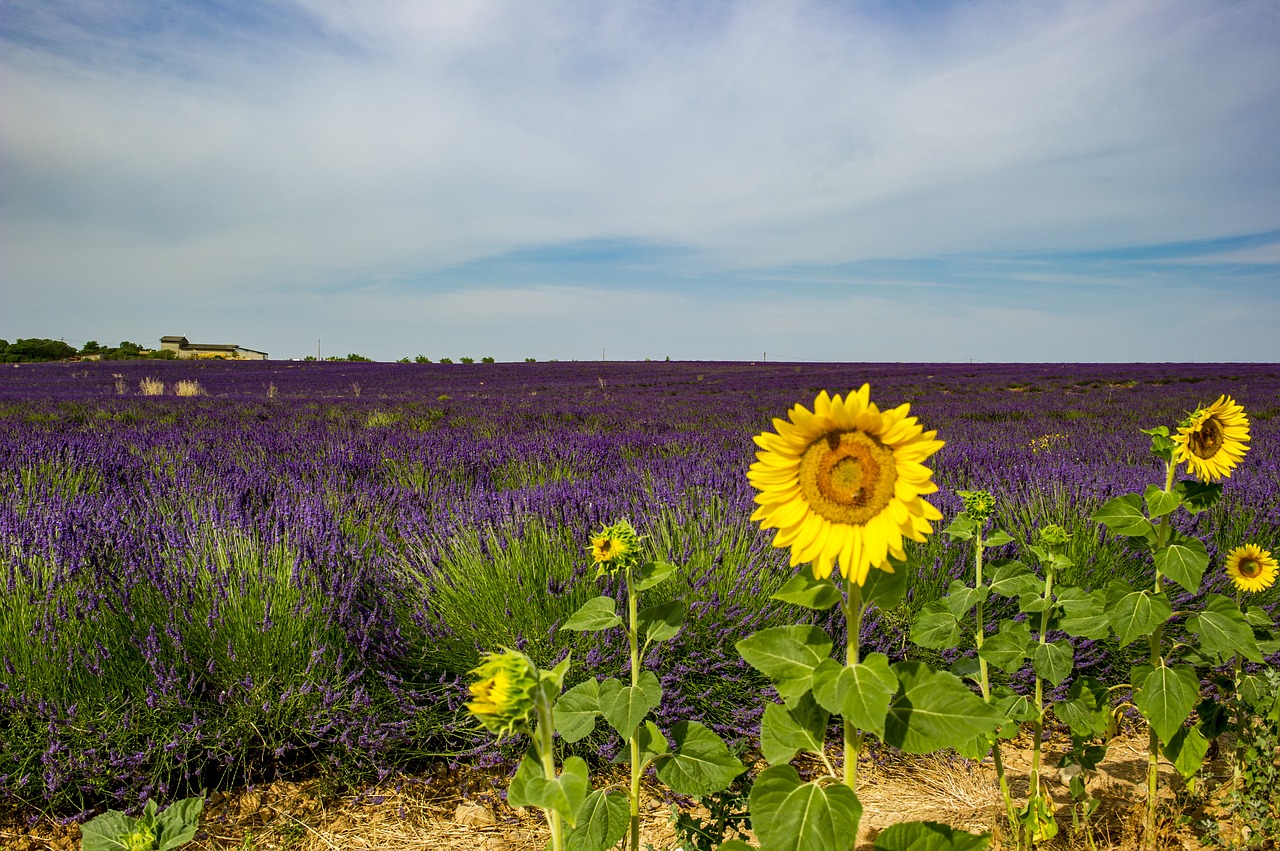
[317, 348]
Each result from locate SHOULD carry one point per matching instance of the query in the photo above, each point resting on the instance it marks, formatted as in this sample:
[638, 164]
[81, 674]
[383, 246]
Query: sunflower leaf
[1084, 612]
[1123, 516]
[576, 710]
[860, 693]
[1134, 614]
[1086, 710]
[1198, 496]
[593, 616]
[1007, 648]
[787, 655]
[886, 589]
[1165, 698]
[1013, 579]
[804, 590]
[785, 731]
[934, 709]
[602, 821]
[654, 573]
[929, 836]
[788, 815]
[663, 621]
[1160, 502]
[935, 627]
[1187, 750]
[1223, 630]
[699, 763]
[997, 538]
[1183, 560]
[1053, 661]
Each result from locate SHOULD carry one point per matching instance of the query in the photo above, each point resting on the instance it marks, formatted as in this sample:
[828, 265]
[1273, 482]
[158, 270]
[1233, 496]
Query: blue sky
[854, 181]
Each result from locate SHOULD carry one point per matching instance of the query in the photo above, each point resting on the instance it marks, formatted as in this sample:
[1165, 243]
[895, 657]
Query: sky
[863, 180]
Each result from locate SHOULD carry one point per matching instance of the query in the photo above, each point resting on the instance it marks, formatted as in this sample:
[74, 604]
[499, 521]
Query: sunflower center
[1205, 441]
[1249, 568]
[848, 477]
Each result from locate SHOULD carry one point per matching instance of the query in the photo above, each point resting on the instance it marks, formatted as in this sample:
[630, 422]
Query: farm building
[184, 349]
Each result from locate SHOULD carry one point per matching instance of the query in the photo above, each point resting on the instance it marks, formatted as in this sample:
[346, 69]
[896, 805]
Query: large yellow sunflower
[1213, 440]
[1252, 568]
[843, 483]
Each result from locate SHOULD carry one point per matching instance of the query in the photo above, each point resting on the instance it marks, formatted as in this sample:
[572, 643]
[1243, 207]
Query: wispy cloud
[241, 155]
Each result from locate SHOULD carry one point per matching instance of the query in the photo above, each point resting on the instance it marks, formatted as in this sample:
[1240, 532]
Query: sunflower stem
[1156, 643]
[632, 636]
[979, 632]
[1037, 726]
[546, 754]
[853, 632]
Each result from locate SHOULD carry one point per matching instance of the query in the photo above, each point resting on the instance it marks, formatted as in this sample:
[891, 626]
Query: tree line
[40, 350]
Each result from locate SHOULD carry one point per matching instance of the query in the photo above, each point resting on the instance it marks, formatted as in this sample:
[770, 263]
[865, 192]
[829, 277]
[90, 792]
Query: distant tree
[4, 344]
[309, 358]
[422, 359]
[90, 348]
[530, 360]
[446, 360]
[403, 360]
[354, 358]
[37, 350]
[468, 360]
[486, 360]
[162, 354]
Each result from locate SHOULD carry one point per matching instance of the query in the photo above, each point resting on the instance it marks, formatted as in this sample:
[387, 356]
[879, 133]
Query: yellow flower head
[843, 484]
[1252, 568]
[615, 546]
[1213, 440]
[503, 693]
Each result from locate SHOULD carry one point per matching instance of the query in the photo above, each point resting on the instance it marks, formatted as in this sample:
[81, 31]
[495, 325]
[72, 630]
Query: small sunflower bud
[503, 692]
[615, 547]
[140, 838]
[979, 505]
[1054, 536]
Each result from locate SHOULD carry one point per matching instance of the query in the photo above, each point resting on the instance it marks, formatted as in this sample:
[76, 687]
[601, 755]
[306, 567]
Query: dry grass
[151, 387]
[187, 388]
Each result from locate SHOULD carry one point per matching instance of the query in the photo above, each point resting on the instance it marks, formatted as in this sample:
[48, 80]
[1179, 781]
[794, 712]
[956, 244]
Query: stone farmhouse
[229, 351]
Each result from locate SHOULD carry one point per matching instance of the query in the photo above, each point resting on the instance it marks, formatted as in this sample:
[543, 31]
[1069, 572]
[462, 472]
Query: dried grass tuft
[151, 387]
[188, 388]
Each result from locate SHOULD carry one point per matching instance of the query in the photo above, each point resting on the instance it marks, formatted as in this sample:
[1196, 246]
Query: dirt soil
[452, 811]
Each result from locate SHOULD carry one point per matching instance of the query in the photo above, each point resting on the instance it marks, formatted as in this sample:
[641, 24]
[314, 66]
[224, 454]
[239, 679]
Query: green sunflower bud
[615, 547]
[1054, 536]
[142, 838]
[503, 693]
[979, 505]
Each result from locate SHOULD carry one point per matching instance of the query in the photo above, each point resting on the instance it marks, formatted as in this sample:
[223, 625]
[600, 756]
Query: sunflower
[1251, 568]
[843, 483]
[615, 546]
[1213, 440]
[502, 696]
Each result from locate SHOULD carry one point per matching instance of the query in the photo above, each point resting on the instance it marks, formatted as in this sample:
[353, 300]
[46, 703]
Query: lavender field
[292, 571]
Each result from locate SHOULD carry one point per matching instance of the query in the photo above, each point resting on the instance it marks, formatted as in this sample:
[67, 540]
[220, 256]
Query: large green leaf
[624, 707]
[654, 573]
[1223, 630]
[1086, 710]
[1084, 612]
[804, 590]
[653, 745]
[859, 693]
[1053, 661]
[1123, 516]
[699, 763]
[177, 825]
[520, 792]
[963, 528]
[935, 627]
[1165, 698]
[997, 538]
[1187, 750]
[594, 615]
[929, 836]
[1160, 502]
[933, 710]
[564, 794]
[787, 655]
[886, 589]
[961, 598]
[1134, 614]
[1183, 560]
[1007, 648]
[576, 710]
[785, 731]
[1198, 496]
[105, 832]
[661, 622]
[1014, 579]
[788, 815]
[602, 821]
